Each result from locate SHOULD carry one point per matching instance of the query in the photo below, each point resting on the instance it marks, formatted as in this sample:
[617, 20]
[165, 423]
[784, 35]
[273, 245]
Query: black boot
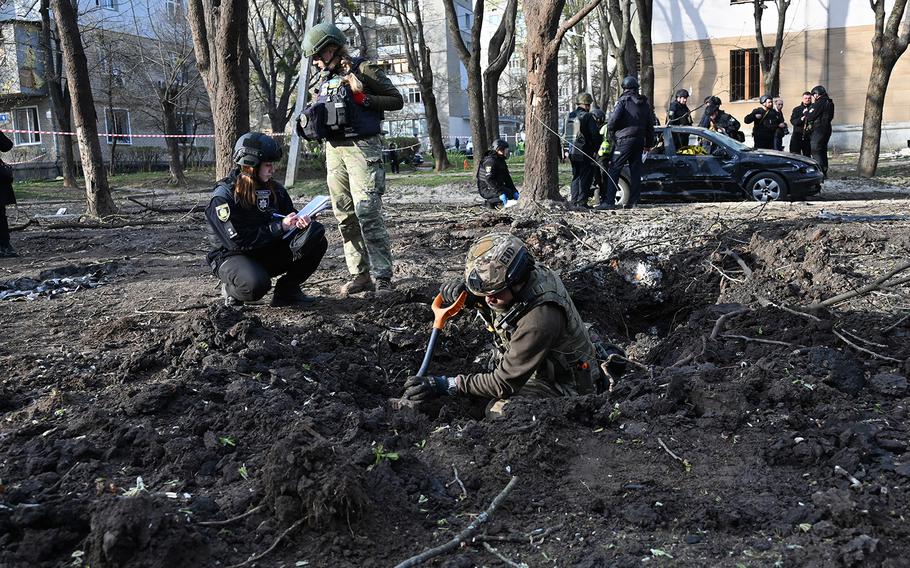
[289, 295]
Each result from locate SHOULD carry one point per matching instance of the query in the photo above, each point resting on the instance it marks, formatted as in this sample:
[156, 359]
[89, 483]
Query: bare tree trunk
[646, 76]
[470, 58]
[502, 45]
[59, 105]
[543, 37]
[220, 36]
[175, 164]
[618, 30]
[98, 194]
[421, 67]
[770, 66]
[888, 44]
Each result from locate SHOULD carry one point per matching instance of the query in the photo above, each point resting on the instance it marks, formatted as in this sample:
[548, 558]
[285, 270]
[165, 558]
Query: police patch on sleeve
[223, 212]
[489, 169]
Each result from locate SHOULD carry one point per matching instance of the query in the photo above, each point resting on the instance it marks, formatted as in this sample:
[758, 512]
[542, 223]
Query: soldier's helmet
[499, 144]
[599, 115]
[819, 90]
[584, 99]
[320, 36]
[765, 98]
[495, 262]
[682, 93]
[630, 83]
[254, 148]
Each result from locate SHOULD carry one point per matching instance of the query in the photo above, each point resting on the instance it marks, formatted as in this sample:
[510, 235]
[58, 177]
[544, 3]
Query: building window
[117, 122]
[174, 8]
[26, 119]
[413, 95]
[395, 66]
[745, 74]
[109, 4]
[390, 36]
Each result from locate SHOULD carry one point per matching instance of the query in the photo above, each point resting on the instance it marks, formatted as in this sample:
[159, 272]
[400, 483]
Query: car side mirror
[720, 153]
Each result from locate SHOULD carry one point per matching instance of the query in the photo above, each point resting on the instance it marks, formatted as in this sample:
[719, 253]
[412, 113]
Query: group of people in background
[811, 121]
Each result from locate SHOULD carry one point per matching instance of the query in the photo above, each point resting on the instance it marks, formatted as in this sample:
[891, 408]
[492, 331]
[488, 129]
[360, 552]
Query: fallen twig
[252, 511]
[895, 324]
[463, 535]
[874, 285]
[534, 537]
[742, 263]
[766, 302]
[758, 340]
[860, 339]
[464, 492]
[685, 463]
[502, 558]
[195, 209]
[23, 227]
[312, 432]
[724, 274]
[271, 548]
[719, 324]
[863, 349]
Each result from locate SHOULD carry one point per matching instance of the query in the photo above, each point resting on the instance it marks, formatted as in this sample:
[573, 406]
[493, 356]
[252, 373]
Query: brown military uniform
[546, 350]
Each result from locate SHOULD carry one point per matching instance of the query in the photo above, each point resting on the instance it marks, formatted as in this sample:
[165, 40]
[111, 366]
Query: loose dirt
[140, 414]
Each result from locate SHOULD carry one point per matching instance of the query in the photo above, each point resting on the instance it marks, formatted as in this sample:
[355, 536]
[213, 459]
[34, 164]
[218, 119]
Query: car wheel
[767, 186]
[622, 192]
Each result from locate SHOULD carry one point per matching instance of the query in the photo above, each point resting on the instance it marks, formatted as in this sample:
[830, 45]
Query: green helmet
[584, 99]
[495, 262]
[320, 36]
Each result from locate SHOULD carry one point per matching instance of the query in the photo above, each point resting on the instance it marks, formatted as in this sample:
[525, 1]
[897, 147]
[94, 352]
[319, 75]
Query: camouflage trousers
[356, 181]
[534, 388]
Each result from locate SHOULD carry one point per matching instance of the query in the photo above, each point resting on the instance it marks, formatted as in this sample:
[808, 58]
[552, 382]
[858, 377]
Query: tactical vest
[335, 116]
[572, 361]
[266, 203]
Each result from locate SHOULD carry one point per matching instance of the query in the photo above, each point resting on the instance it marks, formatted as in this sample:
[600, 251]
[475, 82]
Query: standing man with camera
[346, 111]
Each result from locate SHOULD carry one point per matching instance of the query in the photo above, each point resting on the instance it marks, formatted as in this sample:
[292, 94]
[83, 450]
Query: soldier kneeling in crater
[544, 346]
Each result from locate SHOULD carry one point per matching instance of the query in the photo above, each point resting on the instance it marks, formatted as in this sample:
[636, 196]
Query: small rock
[824, 529]
[889, 384]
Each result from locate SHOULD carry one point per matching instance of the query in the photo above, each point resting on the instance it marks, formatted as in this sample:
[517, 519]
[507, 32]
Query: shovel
[441, 314]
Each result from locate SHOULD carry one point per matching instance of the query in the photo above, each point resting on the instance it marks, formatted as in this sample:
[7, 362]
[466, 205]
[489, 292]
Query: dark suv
[708, 165]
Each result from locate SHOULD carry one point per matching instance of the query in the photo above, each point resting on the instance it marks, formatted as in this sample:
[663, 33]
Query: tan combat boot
[384, 285]
[360, 283]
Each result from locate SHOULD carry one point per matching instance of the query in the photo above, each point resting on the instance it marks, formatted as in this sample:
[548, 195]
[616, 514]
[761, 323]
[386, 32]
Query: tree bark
[220, 41]
[617, 14]
[501, 47]
[471, 61]
[888, 44]
[60, 104]
[770, 67]
[543, 37]
[646, 49]
[175, 164]
[97, 192]
[421, 67]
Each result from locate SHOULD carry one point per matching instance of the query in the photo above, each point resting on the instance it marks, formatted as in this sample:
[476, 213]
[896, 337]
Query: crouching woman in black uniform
[249, 220]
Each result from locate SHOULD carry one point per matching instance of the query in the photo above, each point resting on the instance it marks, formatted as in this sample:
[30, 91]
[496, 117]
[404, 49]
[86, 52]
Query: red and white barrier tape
[110, 134]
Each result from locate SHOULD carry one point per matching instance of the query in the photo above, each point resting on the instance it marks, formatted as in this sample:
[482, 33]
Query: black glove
[615, 358]
[425, 388]
[451, 290]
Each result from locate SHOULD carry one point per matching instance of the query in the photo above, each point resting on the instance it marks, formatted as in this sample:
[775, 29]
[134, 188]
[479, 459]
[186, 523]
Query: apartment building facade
[709, 47]
[449, 75]
[133, 49]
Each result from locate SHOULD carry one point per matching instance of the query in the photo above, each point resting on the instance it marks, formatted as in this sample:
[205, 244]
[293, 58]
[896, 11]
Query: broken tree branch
[742, 263]
[719, 324]
[271, 548]
[195, 208]
[766, 302]
[863, 349]
[502, 558]
[757, 340]
[874, 285]
[252, 511]
[463, 535]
